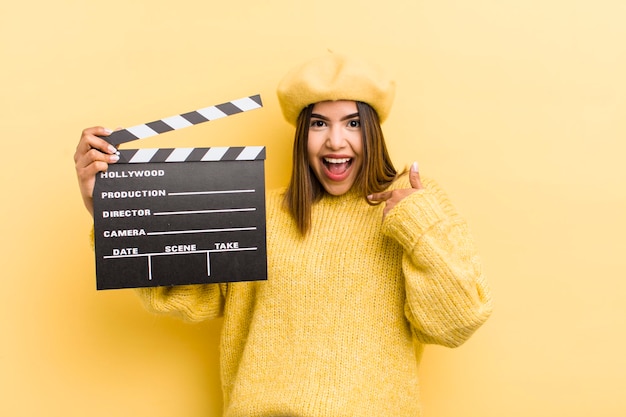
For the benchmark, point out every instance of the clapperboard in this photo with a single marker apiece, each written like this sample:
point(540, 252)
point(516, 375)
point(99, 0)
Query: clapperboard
point(181, 216)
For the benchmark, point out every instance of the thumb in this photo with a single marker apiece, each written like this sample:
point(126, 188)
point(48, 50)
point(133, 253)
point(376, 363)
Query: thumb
point(414, 177)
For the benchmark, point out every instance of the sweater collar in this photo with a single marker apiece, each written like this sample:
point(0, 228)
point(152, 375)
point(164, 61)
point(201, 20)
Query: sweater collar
point(351, 195)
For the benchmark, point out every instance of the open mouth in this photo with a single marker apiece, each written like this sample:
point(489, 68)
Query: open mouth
point(337, 166)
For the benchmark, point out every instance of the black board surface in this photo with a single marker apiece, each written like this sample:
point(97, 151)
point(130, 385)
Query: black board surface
point(181, 216)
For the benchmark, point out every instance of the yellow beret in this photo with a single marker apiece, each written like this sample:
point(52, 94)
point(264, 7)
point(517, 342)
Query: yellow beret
point(335, 77)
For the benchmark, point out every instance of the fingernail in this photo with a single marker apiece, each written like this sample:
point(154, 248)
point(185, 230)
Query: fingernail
point(369, 197)
point(114, 158)
point(112, 149)
point(108, 131)
point(415, 167)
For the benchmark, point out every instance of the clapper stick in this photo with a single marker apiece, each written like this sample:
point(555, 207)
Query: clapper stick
point(213, 154)
point(181, 121)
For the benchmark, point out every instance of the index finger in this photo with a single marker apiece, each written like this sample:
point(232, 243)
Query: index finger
point(384, 196)
point(90, 139)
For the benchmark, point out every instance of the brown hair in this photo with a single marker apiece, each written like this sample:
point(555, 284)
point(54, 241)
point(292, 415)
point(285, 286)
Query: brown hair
point(375, 175)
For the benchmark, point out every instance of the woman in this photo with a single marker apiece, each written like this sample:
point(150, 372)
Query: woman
point(365, 266)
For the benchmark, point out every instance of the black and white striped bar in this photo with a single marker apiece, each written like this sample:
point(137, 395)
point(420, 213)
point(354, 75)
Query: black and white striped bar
point(181, 121)
point(213, 154)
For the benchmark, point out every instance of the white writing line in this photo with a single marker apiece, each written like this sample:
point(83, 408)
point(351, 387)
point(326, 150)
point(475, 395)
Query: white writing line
point(207, 251)
point(182, 232)
point(213, 192)
point(168, 213)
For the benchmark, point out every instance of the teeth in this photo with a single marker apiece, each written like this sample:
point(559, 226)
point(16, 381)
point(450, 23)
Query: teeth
point(337, 160)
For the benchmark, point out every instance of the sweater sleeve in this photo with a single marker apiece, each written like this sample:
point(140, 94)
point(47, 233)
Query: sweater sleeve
point(447, 297)
point(190, 302)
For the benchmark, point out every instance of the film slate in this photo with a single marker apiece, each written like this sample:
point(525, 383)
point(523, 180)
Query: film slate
point(180, 216)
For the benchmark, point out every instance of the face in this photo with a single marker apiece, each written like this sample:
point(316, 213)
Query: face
point(335, 145)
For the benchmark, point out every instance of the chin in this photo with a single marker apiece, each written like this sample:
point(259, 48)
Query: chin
point(337, 190)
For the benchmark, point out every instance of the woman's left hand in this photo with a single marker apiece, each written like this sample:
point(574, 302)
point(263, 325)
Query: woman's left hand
point(391, 198)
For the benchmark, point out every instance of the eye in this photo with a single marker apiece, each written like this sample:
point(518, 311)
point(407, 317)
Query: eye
point(318, 123)
point(354, 123)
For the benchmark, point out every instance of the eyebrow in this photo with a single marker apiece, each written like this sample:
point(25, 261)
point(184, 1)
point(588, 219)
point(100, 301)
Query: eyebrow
point(348, 117)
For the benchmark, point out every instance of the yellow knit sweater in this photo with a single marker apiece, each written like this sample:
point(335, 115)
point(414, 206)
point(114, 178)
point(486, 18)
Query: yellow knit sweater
point(339, 326)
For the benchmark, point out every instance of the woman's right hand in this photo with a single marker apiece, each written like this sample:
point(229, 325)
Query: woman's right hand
point(93, 155)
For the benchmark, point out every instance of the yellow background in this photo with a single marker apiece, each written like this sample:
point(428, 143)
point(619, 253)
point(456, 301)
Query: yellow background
point(518, 108)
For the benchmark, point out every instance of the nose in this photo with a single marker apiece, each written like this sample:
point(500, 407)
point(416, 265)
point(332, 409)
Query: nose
point(335, 139)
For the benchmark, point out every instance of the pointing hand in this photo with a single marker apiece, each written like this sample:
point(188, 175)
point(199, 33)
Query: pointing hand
point(391, 198)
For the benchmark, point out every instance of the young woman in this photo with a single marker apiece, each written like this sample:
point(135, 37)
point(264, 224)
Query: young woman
point(365, 266)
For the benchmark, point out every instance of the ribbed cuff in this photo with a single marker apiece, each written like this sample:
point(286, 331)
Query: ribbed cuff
point(414, 215)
